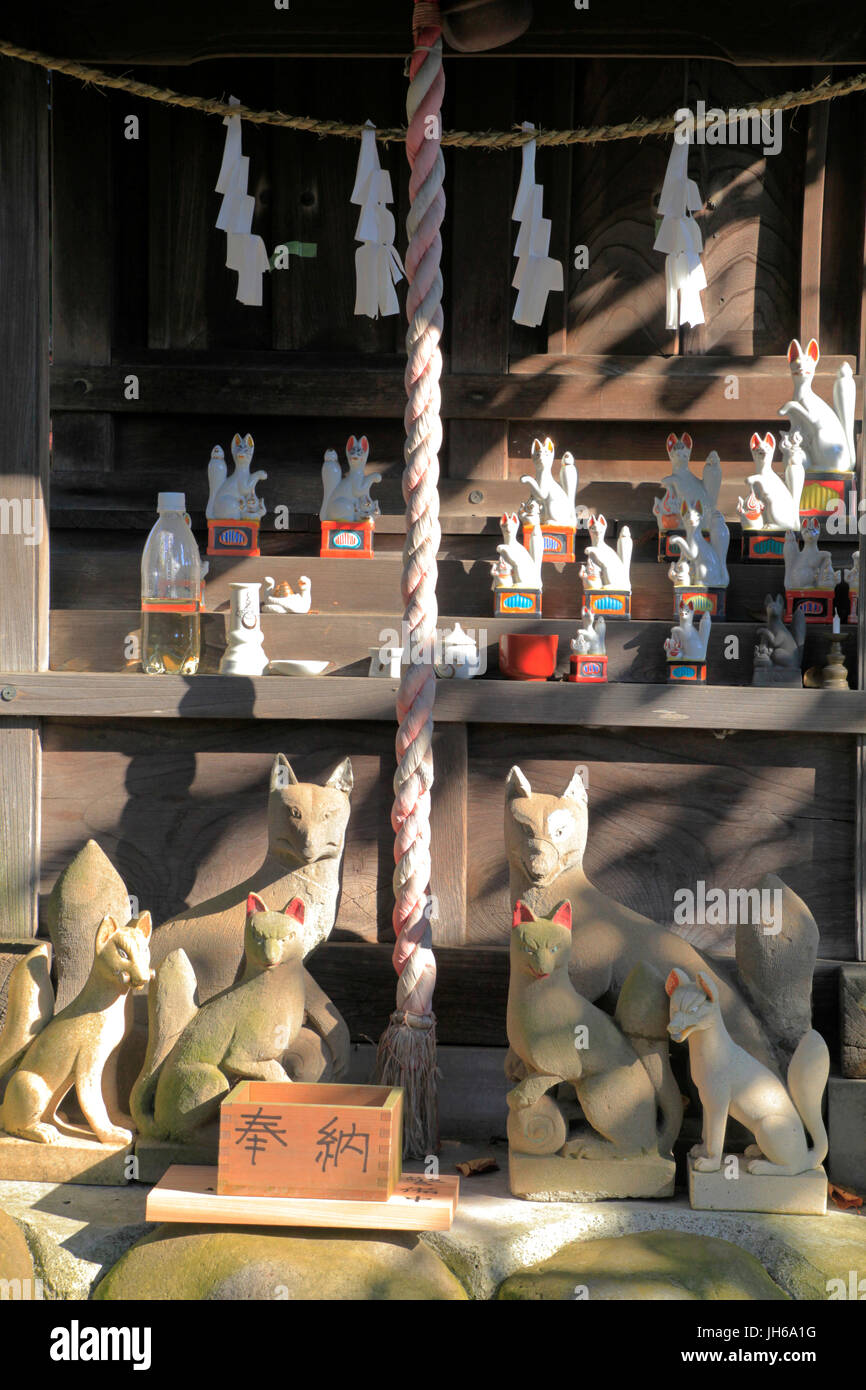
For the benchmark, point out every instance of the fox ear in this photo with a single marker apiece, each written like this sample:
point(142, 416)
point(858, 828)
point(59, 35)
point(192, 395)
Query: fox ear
point(562, 914)
point(255, 904)
point(813, 351)
point(364, 443)
point(601, 519)
point(522, 913)
point(237, 440)
point(576, 789)
point(281, 773)
point(755, 440)
point(708, 986)
point(105, 932)
point(144, 924)
point(687, 440)
point(342, 777)
point(770, 439)
point(670, 441)
point(249, 440)
point(794, 350)
point(351, 442)
point(516, 784)
point(674, 980)
point(296, 910)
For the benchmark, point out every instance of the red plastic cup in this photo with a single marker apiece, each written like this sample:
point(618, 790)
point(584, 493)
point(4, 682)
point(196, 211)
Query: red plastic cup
point(528, 656)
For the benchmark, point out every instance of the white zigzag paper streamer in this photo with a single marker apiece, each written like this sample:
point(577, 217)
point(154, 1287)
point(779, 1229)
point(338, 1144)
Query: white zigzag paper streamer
point(537, 273)
point(378, 267)
point(679, 238)
point(245, 253)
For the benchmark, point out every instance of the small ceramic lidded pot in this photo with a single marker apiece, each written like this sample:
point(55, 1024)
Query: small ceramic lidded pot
point(244, 654)
point(460, 658)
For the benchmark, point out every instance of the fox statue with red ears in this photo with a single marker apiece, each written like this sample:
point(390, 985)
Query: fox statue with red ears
point(249, 1031)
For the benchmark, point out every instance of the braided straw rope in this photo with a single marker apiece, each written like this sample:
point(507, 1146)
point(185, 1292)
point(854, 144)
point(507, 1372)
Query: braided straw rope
point(637, 129)
point(407, 1050)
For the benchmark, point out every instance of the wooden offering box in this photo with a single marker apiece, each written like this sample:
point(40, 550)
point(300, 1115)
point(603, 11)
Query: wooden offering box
point(280, 1139)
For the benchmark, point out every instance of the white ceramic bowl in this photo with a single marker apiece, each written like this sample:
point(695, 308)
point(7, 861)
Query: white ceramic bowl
point(297, 668)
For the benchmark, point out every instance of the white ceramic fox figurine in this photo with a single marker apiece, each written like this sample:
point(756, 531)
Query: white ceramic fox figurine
point(346, 497)
point(614, 564)
point(828, 434)
point(706, 559)
point(235, 497)
point(282, 598)
point(686, 640)
point(732, 1082)
point(517, 567)
point(703, 492)
point(809, 568)
point(589, 640)
point(556, 499)
point(781, 499)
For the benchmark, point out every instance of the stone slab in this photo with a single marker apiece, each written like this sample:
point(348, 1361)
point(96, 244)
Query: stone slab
point(551, 1178)
point(846, 1125)
point(154, 1157)
point(852, 1016)
point(804, 1194)
point(74, 1160)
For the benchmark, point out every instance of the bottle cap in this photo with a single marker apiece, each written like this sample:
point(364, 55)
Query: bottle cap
point(171, 502)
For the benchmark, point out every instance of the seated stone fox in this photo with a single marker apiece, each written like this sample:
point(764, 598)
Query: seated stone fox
point(545, 839)
point(618, 1067)
point(249, 1031)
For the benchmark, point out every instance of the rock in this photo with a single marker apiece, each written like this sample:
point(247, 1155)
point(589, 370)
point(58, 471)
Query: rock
point(15, 1259)
point(88, 889)
point(775, 967)
point(652, 1266)
point(852, 1012)
point(198, 1262)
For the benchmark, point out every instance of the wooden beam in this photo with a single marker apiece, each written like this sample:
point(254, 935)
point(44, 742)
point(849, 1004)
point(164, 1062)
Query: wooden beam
point(449, 835)
point(24, 97)
point(71, 695)
point(592, 388)
point(813, 218)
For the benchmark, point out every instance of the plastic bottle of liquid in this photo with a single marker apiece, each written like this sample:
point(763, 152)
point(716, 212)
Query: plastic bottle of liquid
point(171, 590)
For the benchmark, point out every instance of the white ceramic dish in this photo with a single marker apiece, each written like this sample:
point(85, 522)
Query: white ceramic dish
point(297, 668)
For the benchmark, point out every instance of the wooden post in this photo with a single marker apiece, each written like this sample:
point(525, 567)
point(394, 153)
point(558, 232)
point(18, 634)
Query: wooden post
point(24, 96)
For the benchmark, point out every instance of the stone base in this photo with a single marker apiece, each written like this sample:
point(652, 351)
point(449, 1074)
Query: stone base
point(74, 1160)
point(551, 1178)
point(790, 676)
point(846, 1126)
point(154, 1157)
point(802, 1195)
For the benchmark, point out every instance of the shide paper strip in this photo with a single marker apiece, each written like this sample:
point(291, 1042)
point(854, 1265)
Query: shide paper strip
point(679, 240)
point(245, 253)
point(537, 273)
point(378, 267)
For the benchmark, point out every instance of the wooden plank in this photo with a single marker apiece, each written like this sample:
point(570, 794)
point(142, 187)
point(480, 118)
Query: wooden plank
point(813, 217)
point(598, 388)
point(24, 96)
point(449, 835)
point(188, 1193)
point(73, 695)
point(740, 33)
point(97, 640)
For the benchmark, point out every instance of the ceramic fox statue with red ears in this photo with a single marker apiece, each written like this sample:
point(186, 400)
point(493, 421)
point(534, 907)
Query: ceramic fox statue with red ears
point(346, 497)
point(701, 494)
point(249, 1031)
point(781, 500)
point(560, 1037)
point(828, 433)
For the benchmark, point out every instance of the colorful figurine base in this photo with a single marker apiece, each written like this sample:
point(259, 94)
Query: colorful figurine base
point(555, 1178)
point(710, 601)
point(805, 1194)
point(516, 603)
point(667, 551)
point(229, 537)
point(608, 603)
point(816, 604)
point(825, 494)
point(353, 538)
point(558, 542)
point(587, 669)
point(767, 547)
point(684, 672)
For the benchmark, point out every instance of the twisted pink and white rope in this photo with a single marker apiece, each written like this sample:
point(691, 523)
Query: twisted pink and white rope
point(410, 818)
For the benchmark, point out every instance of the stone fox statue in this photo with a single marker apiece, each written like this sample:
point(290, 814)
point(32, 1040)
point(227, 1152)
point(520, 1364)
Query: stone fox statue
point(560, 1037)
point(545, 839)
point(306, 837)
point(196, 1055)
point(72, 1048)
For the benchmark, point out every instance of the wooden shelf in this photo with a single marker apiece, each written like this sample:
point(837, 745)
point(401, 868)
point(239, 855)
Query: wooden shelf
point(72, 695)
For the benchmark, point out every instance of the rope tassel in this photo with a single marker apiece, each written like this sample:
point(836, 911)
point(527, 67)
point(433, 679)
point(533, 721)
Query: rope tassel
point(407, 1049)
